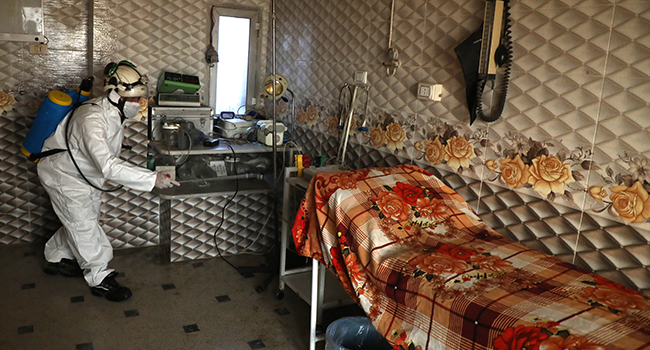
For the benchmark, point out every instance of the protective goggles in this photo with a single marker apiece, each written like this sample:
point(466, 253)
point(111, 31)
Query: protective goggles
point(110, 70)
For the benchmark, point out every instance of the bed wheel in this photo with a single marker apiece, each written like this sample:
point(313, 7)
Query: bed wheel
point(279, 295)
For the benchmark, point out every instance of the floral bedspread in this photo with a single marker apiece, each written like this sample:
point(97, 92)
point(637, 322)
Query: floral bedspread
point(431, 275)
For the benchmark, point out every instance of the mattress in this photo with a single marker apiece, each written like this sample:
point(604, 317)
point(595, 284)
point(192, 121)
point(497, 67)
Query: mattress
point(431, 275)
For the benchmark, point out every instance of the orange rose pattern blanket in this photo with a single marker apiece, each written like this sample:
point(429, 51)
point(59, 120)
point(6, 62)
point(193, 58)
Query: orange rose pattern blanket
point(431, 275)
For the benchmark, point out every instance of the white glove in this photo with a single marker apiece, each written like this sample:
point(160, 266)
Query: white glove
point(164, 181)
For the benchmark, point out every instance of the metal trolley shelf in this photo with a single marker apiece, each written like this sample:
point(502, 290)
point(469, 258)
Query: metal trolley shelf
point(222, 148)
point(329, 293)
point(226, 186)
point(189, 190)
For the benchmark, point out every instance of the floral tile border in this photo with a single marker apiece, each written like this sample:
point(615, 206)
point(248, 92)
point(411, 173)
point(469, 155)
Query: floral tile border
point(541, 168)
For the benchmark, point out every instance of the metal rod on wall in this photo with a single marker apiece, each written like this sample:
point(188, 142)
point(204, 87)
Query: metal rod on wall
point(390, 30)
point(275, 143)
point(91, 41)
point(393, 62)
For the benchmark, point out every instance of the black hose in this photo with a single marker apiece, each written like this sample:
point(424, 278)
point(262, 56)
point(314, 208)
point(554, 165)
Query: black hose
point(223, 209)
point(480, 85)
point(67, 146)
point(85, 84)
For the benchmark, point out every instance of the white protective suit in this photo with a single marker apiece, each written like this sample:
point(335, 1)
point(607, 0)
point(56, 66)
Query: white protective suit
point(95, 138)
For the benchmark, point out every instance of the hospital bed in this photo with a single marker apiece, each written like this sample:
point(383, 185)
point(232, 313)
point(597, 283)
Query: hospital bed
point(431, 275)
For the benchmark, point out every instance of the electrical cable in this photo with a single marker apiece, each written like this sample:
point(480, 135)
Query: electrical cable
point(259, 232)
point(277, 180)
point(223, 210)
point(237, 111)
point(289, 247)
point(211, 55)
point(506, 62)
point(67, 146)
point(190, 143)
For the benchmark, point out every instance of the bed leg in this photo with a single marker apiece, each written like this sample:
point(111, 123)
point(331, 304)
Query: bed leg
point(314, 303)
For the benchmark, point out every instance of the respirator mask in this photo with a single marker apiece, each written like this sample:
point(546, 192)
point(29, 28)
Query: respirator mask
point(130, 109)
point(127, 109)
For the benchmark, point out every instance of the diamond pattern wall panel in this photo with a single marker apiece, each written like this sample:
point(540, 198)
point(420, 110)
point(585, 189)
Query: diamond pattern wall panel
point(66, 24)
point(630, 49)
point(179, 38)
point(11, 64)
point(456, 28)
point(130, 219)
point(25, 211)
point(570, 40)
point(244, 229)
point(592, 243)
point(314, 143)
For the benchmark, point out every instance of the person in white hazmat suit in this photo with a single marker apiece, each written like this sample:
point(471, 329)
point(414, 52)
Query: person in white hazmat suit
point(95, 134)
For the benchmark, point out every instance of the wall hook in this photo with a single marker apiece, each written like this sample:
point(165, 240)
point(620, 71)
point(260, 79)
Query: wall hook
point(393, 63)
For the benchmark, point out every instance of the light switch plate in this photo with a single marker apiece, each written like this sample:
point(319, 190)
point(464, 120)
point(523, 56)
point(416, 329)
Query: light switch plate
point(38, 49)
point(360, 77)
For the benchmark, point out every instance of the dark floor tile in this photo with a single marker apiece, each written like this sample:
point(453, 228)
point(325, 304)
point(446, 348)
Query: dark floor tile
point(77, 299)
point(283, 311)
point(29, 254)
point(168, 286)
point(223, 298)
point(28, 286)
point(120, 274)
point(85, 346)
point(191, 328)
point(131, 313)
point(248, 275)
point(26, 329)
point(256, 344)
point(198, 264)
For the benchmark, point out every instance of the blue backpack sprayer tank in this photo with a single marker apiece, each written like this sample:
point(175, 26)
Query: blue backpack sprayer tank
point(53, 110)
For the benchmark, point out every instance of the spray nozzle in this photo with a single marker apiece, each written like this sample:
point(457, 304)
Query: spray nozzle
point(87, 84)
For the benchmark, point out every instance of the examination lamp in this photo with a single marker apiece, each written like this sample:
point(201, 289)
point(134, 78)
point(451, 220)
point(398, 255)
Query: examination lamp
point(277, 82)
point(281, 85)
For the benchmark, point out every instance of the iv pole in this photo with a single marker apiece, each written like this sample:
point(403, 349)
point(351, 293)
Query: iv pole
point(272, 269)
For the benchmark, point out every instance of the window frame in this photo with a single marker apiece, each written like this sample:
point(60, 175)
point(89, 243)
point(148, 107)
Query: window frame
point(255, 15)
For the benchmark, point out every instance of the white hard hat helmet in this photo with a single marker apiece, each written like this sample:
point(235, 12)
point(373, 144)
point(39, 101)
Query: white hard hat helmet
point(125, 79)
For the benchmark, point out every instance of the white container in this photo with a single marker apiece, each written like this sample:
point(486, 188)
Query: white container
point(265, 132)
point(233, 128)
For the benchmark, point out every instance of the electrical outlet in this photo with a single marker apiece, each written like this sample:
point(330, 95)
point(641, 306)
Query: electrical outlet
point(38, 49)
point(361, 77)
point(424, 91)
point(429, 91)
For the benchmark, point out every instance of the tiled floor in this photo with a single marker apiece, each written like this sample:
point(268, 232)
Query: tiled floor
point(203, 304)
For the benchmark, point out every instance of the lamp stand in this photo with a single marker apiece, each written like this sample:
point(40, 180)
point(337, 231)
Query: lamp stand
point(272, 257)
